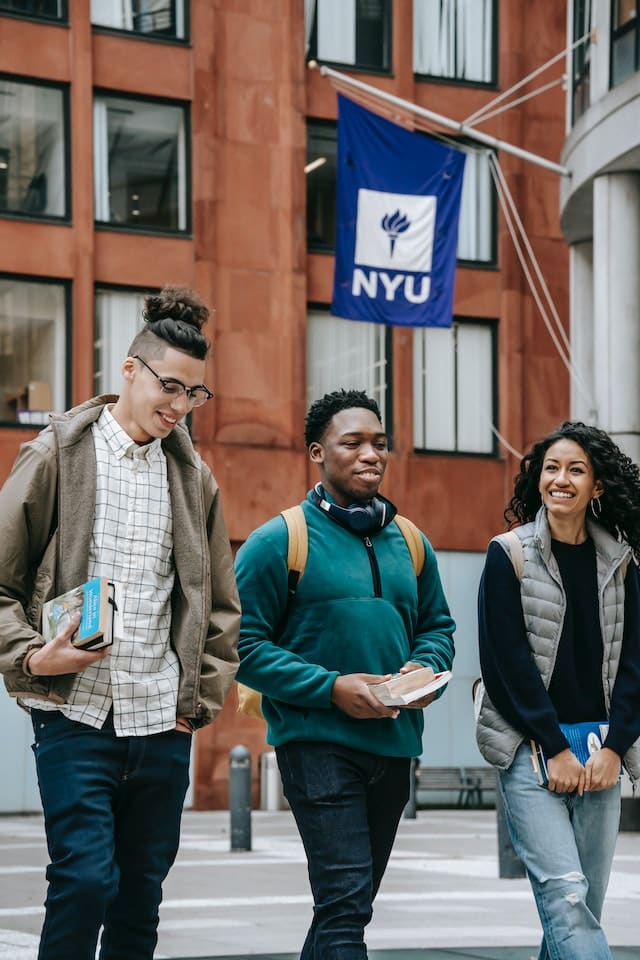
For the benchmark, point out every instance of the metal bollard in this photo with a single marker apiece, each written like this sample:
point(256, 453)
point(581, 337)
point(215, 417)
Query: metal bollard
point(240, 797)
point(510, 866)
point(411, 807)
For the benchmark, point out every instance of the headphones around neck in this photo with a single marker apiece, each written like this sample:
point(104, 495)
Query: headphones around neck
point(358, 517)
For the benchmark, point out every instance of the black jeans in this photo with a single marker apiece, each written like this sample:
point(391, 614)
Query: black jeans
point(347, 805)
point(112, 808)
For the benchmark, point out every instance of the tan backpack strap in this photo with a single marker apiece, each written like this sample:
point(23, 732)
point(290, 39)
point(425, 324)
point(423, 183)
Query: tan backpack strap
point(414, 541)
point(250, 701)
point(298, 540)
point(514, 550)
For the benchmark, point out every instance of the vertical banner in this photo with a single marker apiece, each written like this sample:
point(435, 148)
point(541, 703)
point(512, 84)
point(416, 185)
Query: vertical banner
point(398, 204)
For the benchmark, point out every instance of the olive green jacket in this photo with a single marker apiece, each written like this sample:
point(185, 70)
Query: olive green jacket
point(46, 518)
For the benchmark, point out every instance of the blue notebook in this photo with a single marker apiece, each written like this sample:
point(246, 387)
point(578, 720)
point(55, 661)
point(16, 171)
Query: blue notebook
point(583, 739)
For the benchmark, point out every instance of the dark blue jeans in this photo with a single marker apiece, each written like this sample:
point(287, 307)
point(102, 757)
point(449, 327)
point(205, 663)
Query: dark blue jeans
point(112, 808)
point(347, 805)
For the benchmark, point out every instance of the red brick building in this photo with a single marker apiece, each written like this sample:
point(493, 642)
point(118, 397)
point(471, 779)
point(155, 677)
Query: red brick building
point(151, 142)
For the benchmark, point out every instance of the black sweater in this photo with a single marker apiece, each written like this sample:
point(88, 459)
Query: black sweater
point(575, 692)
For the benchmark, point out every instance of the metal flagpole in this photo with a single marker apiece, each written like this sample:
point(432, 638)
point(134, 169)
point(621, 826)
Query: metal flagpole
point(461, 128)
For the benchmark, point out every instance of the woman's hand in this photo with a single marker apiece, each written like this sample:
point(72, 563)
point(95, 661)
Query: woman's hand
point(602, 769)
point(566, 773)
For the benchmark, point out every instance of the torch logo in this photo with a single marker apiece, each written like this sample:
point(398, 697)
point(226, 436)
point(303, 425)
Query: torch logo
point(393, 225)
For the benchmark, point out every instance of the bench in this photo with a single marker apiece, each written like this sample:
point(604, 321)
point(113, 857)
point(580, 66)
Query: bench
point(468, 782)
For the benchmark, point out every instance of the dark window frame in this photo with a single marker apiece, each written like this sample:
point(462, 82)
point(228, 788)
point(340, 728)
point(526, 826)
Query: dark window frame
point(358, 67)
point(185, 106)
point(580, 61)
point(319, 246)
point(493, 325)
point(66, 217)
point(618, 33)
point(151, 37)
point(68, 328)
point(492, 84)
point(61, 19)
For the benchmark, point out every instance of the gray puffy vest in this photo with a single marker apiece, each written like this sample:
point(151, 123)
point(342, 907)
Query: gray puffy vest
point(544, 604)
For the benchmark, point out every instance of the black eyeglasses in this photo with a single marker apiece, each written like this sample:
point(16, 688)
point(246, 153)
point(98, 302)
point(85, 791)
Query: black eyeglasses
point(176, 388)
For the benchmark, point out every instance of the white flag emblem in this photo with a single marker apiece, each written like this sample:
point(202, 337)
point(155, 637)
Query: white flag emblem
point(395, 230)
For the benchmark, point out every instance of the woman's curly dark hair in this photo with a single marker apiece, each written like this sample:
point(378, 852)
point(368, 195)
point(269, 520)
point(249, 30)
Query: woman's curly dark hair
point(174, 316)
point(618, 474)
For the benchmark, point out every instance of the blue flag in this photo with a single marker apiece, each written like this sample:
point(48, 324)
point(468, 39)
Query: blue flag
point(397, 222)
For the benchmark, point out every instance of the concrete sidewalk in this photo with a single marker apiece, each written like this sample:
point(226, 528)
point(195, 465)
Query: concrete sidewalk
point(441, 896)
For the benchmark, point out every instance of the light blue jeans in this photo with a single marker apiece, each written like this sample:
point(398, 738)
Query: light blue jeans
point(566, 843)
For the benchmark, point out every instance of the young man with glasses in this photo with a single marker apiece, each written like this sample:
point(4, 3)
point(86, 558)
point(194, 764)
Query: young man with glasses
point(114, 488)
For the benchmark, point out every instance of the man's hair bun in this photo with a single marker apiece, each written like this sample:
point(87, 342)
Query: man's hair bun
point(176, 315)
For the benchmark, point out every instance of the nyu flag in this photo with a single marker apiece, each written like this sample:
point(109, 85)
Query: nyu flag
point(397, 222)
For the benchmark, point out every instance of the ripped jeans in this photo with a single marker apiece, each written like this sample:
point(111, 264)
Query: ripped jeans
point(566, 843)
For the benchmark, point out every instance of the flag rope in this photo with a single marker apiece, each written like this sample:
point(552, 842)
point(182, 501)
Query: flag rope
point(447, 122)
point(475, 117)
point(522, 99)
point(503, 193)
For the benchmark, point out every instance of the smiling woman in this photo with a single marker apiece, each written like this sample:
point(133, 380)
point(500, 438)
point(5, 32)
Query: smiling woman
point(559, 648)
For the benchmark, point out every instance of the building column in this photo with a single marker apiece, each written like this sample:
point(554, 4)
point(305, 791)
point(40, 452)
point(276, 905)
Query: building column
point(616, 288)
point(583, 402)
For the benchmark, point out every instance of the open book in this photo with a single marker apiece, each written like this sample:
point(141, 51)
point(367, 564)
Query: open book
point(98, 600)
point(405, 688)
point(583, 739)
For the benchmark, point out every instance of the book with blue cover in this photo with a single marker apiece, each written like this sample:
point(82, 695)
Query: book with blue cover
point(583, 739)
point(98, 604)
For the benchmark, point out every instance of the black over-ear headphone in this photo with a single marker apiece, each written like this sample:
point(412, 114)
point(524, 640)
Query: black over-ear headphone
point(358, 517)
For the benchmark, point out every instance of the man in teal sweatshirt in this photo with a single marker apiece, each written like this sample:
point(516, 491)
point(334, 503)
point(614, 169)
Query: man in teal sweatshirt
point(359, 615)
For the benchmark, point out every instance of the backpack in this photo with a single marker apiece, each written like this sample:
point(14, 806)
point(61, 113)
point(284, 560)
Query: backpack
point(249, 700)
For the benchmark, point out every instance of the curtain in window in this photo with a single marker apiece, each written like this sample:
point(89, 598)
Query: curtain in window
point(100, 161)
point(118, 318)
point(32, 344)
point(453, 38)
point(309, 13)
point(475, 227)
point(337, 30)
point(112, 13)
point(453, 388)
point(345, 353)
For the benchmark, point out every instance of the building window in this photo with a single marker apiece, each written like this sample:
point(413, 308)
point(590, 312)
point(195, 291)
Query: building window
point(140, 162)
point(33, 364)
point(37, 9)
point(33, 149)
point(356, 33)
point(150, 18)
point(625, 40)
point(455, 39)
point(118, 318)
point(321, 171)
point(454, 388)
point(477, 224)
point(581, 57)
point(348, 354)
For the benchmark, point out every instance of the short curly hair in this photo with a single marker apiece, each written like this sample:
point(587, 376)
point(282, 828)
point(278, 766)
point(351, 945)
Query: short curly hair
point(322, 411)
point(618, 474)
point(173, 318)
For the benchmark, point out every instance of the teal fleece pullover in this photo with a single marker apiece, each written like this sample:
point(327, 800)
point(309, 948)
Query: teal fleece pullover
point(344, 619)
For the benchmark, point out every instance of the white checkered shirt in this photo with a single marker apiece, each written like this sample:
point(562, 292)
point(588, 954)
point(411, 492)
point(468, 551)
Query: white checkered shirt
point(132, 543)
